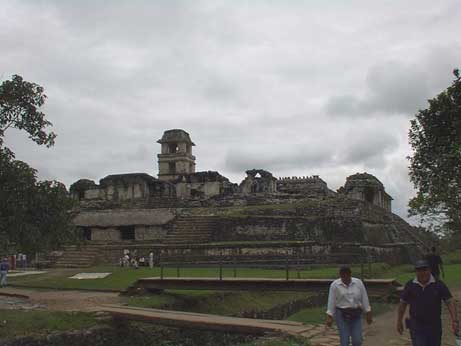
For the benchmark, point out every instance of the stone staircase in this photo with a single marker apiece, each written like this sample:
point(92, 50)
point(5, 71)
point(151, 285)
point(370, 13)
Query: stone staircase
point(78, 256)
point(191, 230)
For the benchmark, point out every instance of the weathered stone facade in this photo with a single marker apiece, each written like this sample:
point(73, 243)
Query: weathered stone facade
point(195, 216)
point(366, 187)
point(307, 186)
point(258, 181)
point(122, 188)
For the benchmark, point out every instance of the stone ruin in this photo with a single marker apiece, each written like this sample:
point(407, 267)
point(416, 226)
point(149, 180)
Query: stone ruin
point(138, 209)
point(366, 187)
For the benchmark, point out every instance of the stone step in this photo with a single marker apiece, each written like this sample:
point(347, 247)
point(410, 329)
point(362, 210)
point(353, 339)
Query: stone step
point(188, 237)
point(186, 241)
point(75, 260)
point(190, 233)
point(182, 235)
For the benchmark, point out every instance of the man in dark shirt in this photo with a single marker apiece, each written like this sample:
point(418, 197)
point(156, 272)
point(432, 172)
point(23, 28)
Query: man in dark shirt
point(424, 294)
point(4, 267)
point(435, 263)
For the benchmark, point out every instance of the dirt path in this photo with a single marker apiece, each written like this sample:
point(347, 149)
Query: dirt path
point(381, 333)
point(64, 300)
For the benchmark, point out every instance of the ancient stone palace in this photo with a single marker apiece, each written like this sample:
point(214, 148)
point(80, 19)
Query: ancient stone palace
point(202, 216)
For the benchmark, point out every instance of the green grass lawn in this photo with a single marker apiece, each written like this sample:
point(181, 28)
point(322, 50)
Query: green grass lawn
point(19, 322)
point(226, 303)
point(122, 278)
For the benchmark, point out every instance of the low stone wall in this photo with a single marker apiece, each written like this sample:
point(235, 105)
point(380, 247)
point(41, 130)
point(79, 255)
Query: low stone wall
point(281, 253)
point(319, 229)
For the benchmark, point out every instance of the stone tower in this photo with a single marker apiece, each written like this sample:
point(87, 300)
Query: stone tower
point(176, 155)
point(368, 188)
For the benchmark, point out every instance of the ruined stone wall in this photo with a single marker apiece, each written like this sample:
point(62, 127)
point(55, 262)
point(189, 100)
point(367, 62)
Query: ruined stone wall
point(157, 233)
point(293, 229)
point(308, 186)
point(105, 234)
point(197, 190)
point(278, 254)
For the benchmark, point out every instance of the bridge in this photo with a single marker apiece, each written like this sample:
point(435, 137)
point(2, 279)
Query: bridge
point(212, 322)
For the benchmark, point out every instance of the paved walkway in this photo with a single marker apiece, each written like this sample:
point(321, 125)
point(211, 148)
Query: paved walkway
point(381, 333)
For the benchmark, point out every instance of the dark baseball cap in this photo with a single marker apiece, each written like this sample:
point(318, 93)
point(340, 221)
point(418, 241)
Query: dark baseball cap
point(345, 270)
point(420, 264)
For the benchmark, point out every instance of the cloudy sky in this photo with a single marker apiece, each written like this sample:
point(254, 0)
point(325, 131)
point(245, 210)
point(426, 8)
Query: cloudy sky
point(293, 87)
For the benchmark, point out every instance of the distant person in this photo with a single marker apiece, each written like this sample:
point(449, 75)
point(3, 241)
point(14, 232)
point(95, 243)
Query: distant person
point(126, 260)
point(151, 260)
point(424, 294)
point(4, 268)
point(142, 261)
point(435, 263)
point(347, 301)
point(19, 260)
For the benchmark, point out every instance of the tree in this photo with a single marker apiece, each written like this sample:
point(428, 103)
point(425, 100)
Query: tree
point(435, 167)
point(34, 215)
point(20, 103)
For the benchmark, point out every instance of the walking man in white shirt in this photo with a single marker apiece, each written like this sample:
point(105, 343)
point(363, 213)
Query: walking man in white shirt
point(347, 301)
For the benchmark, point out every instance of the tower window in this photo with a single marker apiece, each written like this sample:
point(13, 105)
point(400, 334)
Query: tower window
point(172, 167)
point(174, 148)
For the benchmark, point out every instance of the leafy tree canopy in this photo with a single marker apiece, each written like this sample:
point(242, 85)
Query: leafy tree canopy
point(34, 215)
point(20, 103)
point(435, 167)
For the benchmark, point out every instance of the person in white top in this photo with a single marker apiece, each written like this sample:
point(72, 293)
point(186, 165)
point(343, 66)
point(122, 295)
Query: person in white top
point(151, 260)
point(347, 301)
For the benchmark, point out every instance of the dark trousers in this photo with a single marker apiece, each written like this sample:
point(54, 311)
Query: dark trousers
point(426, 335)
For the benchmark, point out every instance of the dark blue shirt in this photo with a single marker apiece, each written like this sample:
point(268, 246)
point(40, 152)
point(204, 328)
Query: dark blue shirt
point(435, 261)
point(4, 266)
point(425, 303)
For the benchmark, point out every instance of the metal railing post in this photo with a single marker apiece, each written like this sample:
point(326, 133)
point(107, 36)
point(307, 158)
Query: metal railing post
point(220, 270)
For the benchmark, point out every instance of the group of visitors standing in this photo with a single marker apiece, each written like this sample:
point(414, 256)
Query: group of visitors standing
point(135, 261)
point(348, 301)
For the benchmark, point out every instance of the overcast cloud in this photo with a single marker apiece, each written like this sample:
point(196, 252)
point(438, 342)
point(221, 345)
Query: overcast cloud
point(296, 88)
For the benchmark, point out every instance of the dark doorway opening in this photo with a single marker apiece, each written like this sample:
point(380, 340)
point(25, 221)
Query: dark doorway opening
point(369, 195)
point(172, 167)
point(127, 232)
point(87, 233)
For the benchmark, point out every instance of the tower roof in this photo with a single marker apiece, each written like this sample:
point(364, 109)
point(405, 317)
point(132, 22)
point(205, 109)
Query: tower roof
point(175, 136)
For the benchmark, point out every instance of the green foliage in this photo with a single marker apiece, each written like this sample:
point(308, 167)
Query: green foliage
point(20, 103)
point(20, 323)
point(226, 303)
point(453, 257)
point(33, 215)
point(287, 340)
point(435, 167)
